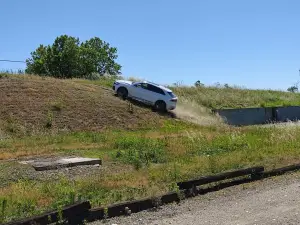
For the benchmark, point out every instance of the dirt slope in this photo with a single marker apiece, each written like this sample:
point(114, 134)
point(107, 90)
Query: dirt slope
point(30, 104)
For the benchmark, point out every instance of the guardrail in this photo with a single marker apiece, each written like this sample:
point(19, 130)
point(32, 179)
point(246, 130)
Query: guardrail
point(72, 214)
point(80, 212)
point(218, 177)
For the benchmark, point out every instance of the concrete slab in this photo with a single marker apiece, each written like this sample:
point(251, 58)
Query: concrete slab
point(51, 164)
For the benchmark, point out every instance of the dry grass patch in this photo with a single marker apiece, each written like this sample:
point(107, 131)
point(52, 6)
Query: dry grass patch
point(31, 104)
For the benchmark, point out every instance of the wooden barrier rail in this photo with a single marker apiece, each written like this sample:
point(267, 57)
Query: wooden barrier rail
point(282, 170)
point(73, 214)
point(134, 206)
point(219, 177)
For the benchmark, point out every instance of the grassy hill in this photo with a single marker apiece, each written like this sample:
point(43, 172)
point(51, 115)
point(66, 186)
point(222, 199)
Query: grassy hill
point(31, 104)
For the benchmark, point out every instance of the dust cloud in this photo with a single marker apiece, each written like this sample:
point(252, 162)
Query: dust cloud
point(192, 112)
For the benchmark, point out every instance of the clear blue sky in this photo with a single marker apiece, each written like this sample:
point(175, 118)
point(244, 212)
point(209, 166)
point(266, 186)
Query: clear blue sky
point(248, 43)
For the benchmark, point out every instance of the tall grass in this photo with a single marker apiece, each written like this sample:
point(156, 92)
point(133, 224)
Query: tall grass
point(217, 97)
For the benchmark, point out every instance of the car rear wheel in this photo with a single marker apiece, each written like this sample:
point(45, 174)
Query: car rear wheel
point(160, 106)
point(122, 93)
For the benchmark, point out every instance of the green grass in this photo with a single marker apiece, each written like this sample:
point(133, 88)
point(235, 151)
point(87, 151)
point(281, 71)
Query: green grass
point(139, 151)
point(158, 160)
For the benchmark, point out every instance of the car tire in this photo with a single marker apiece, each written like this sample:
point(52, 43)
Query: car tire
point(160, 106)
point(122, 93)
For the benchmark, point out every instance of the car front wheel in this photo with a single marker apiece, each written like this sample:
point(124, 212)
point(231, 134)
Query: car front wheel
point(122, 93)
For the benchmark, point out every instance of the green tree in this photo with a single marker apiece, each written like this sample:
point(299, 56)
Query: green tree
point(198, 84)
point(226, 86)
point(67, 57)
point(98, 56)
point(37, 62)
point(293, 89)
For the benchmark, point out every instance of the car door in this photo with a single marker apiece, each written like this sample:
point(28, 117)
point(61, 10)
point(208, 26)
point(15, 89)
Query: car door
point(156, 93)
point(141, 93)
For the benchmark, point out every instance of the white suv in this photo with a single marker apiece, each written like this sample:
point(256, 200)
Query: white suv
point(161, 98)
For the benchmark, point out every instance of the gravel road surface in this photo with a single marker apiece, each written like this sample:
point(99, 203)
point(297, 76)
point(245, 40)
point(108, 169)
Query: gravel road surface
point(271, 201)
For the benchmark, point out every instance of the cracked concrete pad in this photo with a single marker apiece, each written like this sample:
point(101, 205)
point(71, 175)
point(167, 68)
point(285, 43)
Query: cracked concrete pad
point(51, 164)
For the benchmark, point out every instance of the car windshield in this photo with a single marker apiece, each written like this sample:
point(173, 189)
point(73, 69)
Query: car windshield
point(171, 94)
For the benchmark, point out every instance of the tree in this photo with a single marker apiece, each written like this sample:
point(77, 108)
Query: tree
point(198, 84)
point(293, 89)
point(67, 57)
point(226, 86)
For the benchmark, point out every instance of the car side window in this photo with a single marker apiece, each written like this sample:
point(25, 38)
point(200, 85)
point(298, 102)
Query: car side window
point(141, 85)
point(145, 86)
point(155, 89)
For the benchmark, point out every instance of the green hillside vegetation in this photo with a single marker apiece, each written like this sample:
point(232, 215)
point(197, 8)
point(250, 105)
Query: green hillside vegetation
point(221, 97)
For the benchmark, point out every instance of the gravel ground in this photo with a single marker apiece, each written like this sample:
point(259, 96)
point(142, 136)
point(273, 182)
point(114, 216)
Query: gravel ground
point(272, 201)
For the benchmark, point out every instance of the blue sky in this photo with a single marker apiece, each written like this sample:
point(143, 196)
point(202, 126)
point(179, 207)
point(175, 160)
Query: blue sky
point(255, 43)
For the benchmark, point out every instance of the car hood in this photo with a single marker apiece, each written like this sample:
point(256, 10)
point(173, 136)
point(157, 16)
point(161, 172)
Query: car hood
point(124, 82)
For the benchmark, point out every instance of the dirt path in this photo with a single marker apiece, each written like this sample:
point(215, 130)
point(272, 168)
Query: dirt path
point(272, 201)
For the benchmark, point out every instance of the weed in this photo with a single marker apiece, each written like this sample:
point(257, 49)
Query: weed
point(3, 206)
point(49, 121)
point(105, 213)
point(4, 144)
point(49, 219)
point(212, 164)
point(60, 219)
point(57, 106)
point(130, 107)
point(27, 206)
point(173, 187)
point(72, 197)
point(12, 126)
point(175, 173)
point(3, 75)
